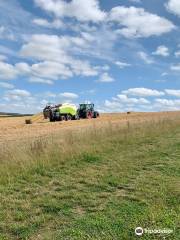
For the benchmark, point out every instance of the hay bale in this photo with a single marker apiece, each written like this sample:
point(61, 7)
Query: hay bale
point(28, 121)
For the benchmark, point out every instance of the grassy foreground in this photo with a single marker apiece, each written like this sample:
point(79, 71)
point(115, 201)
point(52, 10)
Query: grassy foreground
point(99, 183)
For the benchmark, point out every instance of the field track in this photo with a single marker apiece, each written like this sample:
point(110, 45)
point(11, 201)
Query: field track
point(12, 129)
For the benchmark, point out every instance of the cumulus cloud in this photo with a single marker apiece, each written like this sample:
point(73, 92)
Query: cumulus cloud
point(45, 47)
point(45, 23)
point(23, 68)
point(162, 51)
point(137, 22)
point(68, 95)
point(56, 56)
point(167, 104)
point(143, 92)
point(88, 10)
point(40, 80)
point(122, 103)
point(17, 95)
point(7, 71)
point(19, 92)
point(173, 92)
point(6, 85)
point(106, 78)
point(125, 99)
point(173, 6)
point(51, 70)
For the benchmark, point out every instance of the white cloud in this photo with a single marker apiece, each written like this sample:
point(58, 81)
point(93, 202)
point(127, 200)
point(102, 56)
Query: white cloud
point(113, 106)
point(137, 22)
point(164, 74)
point(51, 70)
point(18, 95)
point(175, 67)
point(88, 10)
point(145, 57)
point(177, 54)
point(167, 104)
point(23, 68)
point(173, 92)
point(122, 103)
point(125, 99)
point(106, 78)
point(3, 57)
point(45, 23)
point(68, 95)
point(19, 92)
point(6, 85)
point(161, 51)
point(173, 6)
point(7, 71)
point(40, 80)
point(57, 56)
point(102, 68)
point(122, 64)
point(45, 47)
point(143, 92)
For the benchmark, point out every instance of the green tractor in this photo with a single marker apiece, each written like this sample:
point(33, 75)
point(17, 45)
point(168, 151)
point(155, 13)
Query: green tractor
point(87, 111)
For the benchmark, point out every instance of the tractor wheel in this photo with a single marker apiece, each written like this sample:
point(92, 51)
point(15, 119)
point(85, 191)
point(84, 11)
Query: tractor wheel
point(95, 115)
point(60, 118)
point(75, 117)
point(68, 117)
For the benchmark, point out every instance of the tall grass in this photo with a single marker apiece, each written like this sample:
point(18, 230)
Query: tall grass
point(98, 182)
point(19, 156)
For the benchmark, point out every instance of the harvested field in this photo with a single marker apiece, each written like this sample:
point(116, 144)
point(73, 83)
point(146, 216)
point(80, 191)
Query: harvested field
point(15, 128)
point(93, 179)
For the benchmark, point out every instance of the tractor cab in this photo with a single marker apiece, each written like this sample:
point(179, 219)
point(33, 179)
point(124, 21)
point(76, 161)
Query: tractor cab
point(85, 107)
point(86, 110)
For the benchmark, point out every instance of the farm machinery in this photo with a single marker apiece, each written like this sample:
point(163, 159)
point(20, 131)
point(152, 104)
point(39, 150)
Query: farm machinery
point(69, 112)
point(87, 111)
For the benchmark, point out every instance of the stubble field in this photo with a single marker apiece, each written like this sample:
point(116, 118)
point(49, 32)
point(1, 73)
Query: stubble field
point(93, 179)
point(12, 129)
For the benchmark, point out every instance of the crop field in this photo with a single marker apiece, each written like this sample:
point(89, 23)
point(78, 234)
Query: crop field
point(14, 128)
point(90, 179)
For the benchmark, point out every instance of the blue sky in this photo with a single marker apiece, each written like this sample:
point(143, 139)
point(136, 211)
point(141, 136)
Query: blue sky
point(122, 55)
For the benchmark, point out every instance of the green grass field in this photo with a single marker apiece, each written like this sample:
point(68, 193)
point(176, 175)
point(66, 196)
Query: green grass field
point(99, 183)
